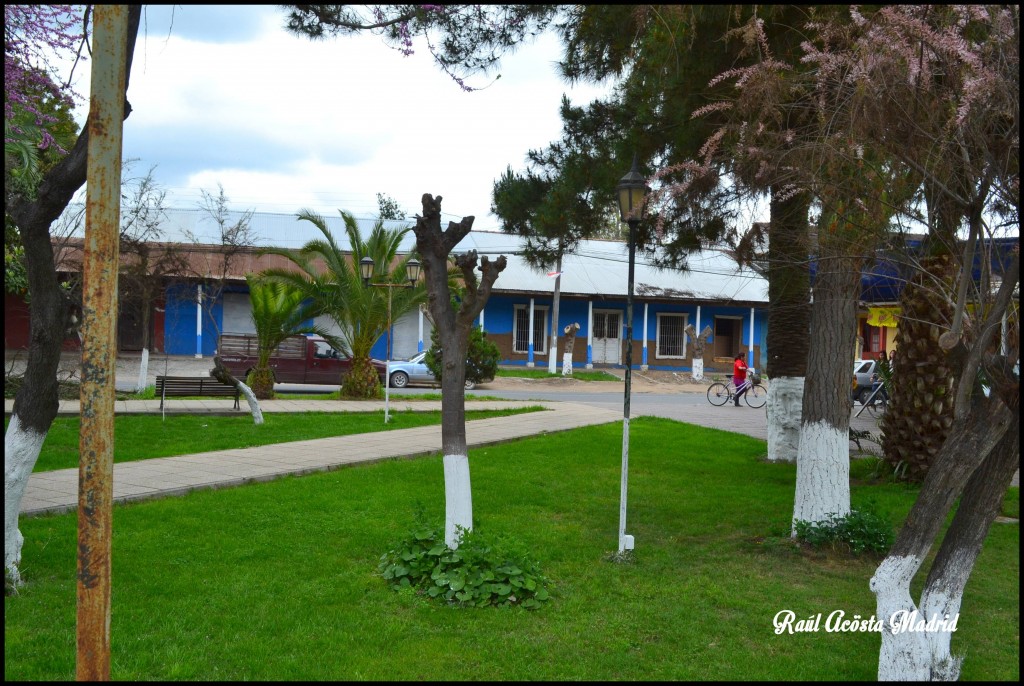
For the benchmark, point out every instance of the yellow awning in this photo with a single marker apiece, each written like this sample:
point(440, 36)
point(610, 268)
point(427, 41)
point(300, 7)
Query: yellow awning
point(883, 316)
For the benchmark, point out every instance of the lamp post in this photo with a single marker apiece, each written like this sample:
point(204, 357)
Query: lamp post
point(412, 273)
point(631, 191)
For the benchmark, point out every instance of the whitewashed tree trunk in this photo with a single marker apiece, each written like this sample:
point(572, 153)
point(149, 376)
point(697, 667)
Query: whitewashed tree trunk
point(823, 452)
point(254, 404)
point(141, 384)
point(21, 450)
point(458, 499)
point(822, 473)
point(785, 409)
point(698, 371)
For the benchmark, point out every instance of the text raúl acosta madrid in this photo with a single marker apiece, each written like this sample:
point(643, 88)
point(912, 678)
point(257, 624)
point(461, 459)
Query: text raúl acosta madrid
point(902, 621)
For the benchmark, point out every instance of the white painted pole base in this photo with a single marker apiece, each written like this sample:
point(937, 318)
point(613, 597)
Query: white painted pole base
point(567, 364)
point(458, 499)
point(698, 370)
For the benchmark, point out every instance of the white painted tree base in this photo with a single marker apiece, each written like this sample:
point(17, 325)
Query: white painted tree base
point(458, 499)
point(822, 473)
point(698, 370)
point(140, 385)
point(254, 404)
point(21, 450)
point(567, 364)
point(916, 646)
point(785, 409)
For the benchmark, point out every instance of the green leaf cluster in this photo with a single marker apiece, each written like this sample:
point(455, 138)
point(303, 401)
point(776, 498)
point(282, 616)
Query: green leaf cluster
point(482, 357)
point(479, 573)
point(860, 531)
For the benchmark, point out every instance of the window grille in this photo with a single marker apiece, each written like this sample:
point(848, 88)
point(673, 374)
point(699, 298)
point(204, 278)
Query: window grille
point(521, 334)
point(671, 335)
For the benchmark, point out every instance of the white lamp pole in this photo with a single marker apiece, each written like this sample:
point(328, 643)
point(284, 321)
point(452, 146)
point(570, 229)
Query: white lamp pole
point(412, 273)
point(631, 191)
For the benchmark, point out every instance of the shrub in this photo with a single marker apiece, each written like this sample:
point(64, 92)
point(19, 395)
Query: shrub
point(477, 574)
point(860, 531)
point(482, 357)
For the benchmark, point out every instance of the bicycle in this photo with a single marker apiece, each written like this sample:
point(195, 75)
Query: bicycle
point(877, 403)
point(720, 393)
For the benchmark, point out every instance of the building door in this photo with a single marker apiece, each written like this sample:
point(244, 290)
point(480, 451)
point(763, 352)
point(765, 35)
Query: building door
point(728, 336)
point(607, 338)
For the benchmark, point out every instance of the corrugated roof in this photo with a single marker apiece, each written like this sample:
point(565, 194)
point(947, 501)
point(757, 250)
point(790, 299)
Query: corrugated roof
point(597, 268)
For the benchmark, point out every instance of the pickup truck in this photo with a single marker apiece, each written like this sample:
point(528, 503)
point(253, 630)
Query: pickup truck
point(299, 359)
point(863, 370)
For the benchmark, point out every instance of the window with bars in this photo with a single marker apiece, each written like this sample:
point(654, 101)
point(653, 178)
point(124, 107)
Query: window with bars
point(521, 330)
point(671, 341)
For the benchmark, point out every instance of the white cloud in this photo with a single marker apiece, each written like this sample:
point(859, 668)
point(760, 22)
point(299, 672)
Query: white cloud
point(283, 122)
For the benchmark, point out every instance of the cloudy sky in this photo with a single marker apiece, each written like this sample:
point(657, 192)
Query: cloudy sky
point(224, 94)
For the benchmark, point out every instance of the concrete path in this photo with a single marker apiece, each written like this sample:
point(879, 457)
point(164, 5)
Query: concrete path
point(57, 491)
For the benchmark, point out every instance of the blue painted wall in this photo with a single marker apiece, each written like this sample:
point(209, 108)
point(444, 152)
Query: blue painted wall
point(180, 322)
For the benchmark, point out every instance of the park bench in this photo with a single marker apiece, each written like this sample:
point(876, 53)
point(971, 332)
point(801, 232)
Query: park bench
point(180, 386)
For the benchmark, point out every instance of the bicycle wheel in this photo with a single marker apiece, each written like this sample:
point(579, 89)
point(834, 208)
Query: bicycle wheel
point(718, 394)
point(878, 406)
point(757, 396)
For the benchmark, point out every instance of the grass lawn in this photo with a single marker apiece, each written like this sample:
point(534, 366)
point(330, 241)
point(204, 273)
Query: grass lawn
point(141, 437)
point(277, 580)
point(542, 373)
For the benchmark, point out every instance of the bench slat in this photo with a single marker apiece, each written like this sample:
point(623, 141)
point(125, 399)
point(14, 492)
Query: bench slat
point(194, 385)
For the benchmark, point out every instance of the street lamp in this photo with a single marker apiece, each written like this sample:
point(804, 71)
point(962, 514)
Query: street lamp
point(412, 274)
point(631, 191)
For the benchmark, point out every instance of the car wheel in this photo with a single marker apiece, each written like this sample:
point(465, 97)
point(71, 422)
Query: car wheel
point(470, 385)
point(863, 396)
point(399, 380)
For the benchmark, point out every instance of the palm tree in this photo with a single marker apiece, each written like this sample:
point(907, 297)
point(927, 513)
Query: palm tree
point(338, 291)
point(278, 311)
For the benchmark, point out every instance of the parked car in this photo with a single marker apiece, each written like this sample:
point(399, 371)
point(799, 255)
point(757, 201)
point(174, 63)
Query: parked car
point(299, 359)
point(415, 371)
point(863, 370)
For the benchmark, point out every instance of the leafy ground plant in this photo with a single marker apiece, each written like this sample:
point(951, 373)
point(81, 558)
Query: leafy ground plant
point(481, 572)
point(861, 531)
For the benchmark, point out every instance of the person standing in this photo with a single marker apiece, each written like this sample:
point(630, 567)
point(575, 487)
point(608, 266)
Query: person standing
point(739, 377)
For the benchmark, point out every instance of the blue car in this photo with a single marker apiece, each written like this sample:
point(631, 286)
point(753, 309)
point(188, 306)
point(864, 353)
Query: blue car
point(414, 371)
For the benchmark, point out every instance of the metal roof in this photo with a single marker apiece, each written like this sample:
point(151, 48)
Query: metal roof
point(598, 267)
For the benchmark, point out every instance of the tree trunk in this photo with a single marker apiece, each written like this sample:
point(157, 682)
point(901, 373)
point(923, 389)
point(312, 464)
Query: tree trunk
point(221, 373)
point(453, 327)
point(51, 319)
point(920, 410)
point(788, 324)
point(823, 459)
point(458, 491)
point(923, 655)
point(147, 309)
point(553, 347)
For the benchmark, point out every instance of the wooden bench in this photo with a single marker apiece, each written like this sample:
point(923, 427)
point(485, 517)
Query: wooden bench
point(171, 386)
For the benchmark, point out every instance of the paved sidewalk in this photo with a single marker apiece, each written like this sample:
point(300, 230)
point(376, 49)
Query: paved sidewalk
point(57, 491)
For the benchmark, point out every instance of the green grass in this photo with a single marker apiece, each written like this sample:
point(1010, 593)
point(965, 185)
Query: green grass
point(537, 373)
point(277, 580)
point(141, 437)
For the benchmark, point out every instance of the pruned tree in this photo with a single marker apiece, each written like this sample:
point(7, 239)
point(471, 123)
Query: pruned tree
point(453, 324)
point(699, 341)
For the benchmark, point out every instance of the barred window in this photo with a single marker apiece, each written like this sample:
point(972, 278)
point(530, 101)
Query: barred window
point(521, 330)
point(671, 336)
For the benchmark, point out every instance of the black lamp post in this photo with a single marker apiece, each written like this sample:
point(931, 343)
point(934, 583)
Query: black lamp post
point(631, 191)
point(412, 274)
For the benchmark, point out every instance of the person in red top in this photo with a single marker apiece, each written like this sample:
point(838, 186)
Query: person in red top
point(739, 377)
